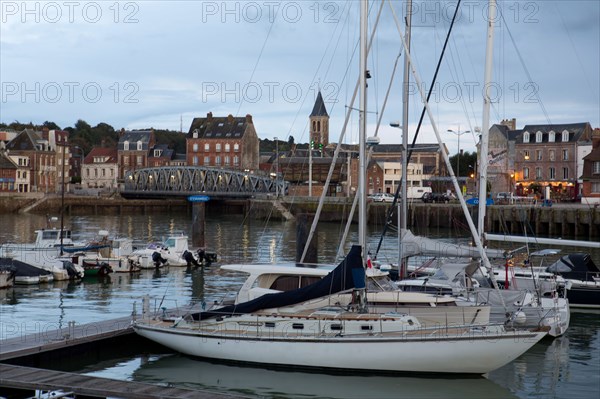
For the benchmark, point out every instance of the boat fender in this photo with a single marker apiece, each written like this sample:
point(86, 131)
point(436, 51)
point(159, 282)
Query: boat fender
point(519, 318)
point(105, 269)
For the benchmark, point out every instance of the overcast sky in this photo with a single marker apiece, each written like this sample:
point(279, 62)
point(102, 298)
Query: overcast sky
point(140, 64)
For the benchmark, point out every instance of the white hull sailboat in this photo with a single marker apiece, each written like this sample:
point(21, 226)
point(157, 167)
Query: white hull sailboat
point(340, 340)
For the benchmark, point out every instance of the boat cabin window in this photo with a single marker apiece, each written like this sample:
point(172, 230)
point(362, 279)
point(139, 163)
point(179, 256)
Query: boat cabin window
point(50, 235)
point(169, 243)
point(288, 283)
point(380, 283)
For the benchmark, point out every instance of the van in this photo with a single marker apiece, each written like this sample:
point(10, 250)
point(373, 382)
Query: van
point(416, 192)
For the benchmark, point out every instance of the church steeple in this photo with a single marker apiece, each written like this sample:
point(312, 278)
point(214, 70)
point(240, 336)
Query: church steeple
point(319, 123)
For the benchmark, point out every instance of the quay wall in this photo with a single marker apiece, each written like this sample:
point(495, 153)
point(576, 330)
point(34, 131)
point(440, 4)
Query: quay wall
point(560, 220)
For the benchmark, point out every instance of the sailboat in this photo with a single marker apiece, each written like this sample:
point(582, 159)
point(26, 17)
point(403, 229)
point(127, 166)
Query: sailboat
point(338, 337)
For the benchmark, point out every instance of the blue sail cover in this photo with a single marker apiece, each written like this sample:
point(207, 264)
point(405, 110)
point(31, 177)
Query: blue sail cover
point(339, 279)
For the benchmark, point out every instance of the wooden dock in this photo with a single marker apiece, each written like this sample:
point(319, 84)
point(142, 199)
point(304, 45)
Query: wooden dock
point(20, 379)
point(72, 335)
point(73, 385)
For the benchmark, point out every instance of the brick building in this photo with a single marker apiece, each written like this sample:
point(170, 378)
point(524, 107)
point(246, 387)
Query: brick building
point(224, 142)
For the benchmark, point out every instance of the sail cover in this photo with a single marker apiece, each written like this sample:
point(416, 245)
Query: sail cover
point(418, 245)
point(345, 276)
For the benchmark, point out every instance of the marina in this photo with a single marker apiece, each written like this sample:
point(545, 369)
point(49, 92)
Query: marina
point(27, 310)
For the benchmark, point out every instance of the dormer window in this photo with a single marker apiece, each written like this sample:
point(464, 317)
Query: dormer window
point(551, 136)
point(195, 133)
point(157, 153)
point(139, 145)
point(538, 137)
point(126, 145)
point(526, 137)
point(565, 136)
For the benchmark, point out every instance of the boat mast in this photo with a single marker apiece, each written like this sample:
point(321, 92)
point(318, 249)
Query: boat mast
point(483, 148)
point(362, 156)
point(403, 214)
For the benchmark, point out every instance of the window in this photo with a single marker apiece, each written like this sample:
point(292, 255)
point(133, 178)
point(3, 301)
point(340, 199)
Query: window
point(596, 167)
point(207, 161)
point(551, 136)
point(538, 137)
point(565, 136)
point(227, 147)
point(87, 173)
point(126, 161)
point(551, 155)
point(538, 155)
point(552, 173)
point(526, 137)
point(538, 173)
point(596, 187)
point(195, 160)
point(565, 173)
point(139, 146)
point(227, 159)
point(565, 155)
point(140, 160)
point(236, 147)
point(236, 161)
point(126, 145)
point(526, 155)
point(218, 160)
point(206, 147)
point(218, 147)
point(157, 153)
point(195, 147)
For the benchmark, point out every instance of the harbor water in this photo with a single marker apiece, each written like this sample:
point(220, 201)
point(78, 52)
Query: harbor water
point(565, 367)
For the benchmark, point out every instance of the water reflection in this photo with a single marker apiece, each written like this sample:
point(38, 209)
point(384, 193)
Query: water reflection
point(181, 371)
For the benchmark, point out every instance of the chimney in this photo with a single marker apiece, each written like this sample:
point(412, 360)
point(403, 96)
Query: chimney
point(230, 119)
point(122, 132)
point(511, 124)
point(248, 118)
point(209, 117)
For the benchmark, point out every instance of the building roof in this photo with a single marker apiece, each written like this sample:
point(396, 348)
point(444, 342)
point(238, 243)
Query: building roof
point(221, 127)
point(319, 108)
point(166, 152)
point(577, 131)
point(110, 153)
point(6, 162)
point(27, 140)
point(133, 136)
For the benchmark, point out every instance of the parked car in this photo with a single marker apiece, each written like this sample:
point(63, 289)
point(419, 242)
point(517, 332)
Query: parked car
point(435, 197)
point(382, 197)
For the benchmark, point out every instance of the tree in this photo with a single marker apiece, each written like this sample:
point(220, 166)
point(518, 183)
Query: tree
point(291, 141)
point(51, 125)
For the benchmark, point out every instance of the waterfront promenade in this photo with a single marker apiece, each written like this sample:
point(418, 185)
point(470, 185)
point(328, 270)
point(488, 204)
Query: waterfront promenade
point(561, 220)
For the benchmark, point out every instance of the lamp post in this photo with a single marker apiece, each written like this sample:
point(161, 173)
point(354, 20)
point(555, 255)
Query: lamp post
point(458, 133)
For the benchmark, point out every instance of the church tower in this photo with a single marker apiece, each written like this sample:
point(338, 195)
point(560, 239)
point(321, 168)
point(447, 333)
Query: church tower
point(319, 124)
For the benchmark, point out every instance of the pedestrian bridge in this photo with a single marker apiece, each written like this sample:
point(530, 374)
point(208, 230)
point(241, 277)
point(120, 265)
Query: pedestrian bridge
point(169, 181)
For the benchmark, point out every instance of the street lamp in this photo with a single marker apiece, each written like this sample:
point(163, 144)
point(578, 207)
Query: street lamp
point(458, 133)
